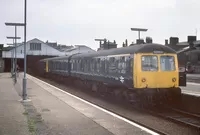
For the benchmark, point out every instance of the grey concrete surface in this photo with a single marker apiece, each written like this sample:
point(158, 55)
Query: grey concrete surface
point(193, 85)
point(193, 78)
point(63, 114)
point(191, 89)
point(193, 75)
point(12, 118)
point(59, 117)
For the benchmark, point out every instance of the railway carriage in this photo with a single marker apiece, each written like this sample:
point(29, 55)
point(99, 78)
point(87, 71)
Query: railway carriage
point(144, 69)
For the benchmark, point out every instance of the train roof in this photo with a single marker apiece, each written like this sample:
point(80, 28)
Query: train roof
point(60, 57)
point(53, 58)
point(140, 48)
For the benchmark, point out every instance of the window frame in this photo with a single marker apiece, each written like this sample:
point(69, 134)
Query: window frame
point(35, 46)
point(156, 62)
point(171, 68)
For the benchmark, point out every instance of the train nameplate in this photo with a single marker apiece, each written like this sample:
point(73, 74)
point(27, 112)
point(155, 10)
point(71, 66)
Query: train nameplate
point(158, 52)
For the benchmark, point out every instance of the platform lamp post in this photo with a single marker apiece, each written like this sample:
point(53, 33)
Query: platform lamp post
point(13, 60)
point(24, 79)
point(15, 25)
point(139, 30)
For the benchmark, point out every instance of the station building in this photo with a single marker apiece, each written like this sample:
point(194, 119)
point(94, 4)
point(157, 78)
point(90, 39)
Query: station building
point(35, 50)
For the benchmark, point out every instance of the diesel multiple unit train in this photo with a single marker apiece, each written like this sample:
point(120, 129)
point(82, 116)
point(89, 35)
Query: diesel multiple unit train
point(144, 71)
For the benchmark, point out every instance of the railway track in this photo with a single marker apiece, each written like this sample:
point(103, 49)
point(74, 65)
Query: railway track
point(165, 112)
point(178, 116)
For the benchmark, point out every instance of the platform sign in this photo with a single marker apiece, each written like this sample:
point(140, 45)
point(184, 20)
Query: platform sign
point(1, 49)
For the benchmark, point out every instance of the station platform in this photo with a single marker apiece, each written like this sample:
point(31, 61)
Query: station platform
point(193, 85)
point(193, 78)
point(193, 75)
point(53, 111)
point(191, 89)
point(12, 118)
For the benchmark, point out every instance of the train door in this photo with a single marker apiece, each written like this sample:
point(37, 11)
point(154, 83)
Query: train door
point(182, 76)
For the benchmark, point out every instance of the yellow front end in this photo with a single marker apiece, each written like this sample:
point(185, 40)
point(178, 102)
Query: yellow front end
point(156, 71)
point(46, 66)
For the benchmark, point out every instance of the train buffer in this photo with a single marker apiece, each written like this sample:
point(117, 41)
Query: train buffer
point(51, 110)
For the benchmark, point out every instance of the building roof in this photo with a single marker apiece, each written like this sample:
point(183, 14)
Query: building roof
point(183, 44)
point(20, 44)
point(8, 48)
point(197, 42)
point(76, 47)
point(184, 49)
point(187, 44)
point(81, 46)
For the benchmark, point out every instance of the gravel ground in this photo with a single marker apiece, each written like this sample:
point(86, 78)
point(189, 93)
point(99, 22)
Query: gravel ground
point(143, 118)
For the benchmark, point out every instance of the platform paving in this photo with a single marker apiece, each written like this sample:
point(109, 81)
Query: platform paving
point(12, 113)
point(50, 111)
point(191, 89)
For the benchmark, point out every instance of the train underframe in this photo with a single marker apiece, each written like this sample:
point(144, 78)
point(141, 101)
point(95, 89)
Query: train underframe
point(145, 96)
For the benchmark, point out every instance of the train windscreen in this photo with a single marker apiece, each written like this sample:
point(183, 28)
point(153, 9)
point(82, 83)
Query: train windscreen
point(149, 63)
point(167, 63)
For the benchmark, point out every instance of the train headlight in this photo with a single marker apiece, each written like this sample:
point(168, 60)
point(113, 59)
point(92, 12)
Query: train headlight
point(173, 79)
point(143, 80)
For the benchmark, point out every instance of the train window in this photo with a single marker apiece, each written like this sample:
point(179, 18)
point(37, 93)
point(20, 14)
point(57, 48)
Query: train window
point(72, 65)
point(131, 65)
point(198, 57)
point(167, 63)
point(102, 65)
point(86, 65)
point(122, 65)
point(98, 65)
point(79, 65)
point(95, 65)
point(65, 63)
point(149, 63)
point(91, 68)
point(112, 59)
point(113, 65)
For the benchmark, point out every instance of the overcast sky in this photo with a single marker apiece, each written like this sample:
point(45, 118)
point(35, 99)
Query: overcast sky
point(73, 22)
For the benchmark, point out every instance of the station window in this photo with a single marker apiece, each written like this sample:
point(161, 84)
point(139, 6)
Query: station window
point(35, 46)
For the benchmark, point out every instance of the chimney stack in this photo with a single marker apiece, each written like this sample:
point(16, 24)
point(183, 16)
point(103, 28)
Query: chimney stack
point(126, 42)
point(166, 41)
point(139, 41)
point(123, 44)
point(191, 40)
point(149, 40)
point(173, 40)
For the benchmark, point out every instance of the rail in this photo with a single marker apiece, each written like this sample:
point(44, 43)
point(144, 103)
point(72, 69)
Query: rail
point(178, 116)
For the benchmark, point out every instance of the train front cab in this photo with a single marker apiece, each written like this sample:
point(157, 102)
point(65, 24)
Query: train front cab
point(45, 67)
point(156, 71)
